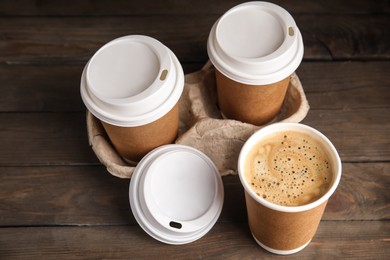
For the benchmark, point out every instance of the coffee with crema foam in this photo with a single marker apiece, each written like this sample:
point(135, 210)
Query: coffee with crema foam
point(289, 168)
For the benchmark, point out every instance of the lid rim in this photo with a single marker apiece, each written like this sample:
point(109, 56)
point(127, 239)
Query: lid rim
point(156, 47)
point(103, 110)
point(256, 71)
point(157, 230)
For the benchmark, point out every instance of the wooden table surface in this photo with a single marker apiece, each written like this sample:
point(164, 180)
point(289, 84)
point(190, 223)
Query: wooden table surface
point(58, 201)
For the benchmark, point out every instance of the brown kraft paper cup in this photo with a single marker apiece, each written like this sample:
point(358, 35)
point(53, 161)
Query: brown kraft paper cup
point(282, 230)
point(255, 47)
point(133, 85)
point(254, 104)
point(133, 143)
point(285, 229)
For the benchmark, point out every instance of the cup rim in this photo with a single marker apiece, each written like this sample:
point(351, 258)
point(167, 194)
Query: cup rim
point(276, 127)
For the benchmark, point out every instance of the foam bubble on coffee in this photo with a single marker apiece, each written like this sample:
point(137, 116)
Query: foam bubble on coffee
point(289, 168)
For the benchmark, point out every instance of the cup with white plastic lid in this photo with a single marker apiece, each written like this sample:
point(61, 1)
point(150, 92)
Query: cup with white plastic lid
point(133, 84)
point(255, 47)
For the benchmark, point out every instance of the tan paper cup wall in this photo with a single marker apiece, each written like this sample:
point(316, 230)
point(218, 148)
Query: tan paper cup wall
point(255, 47)
point(133, 85)
point(262, 102)
point(135, 142)
point(278, 228)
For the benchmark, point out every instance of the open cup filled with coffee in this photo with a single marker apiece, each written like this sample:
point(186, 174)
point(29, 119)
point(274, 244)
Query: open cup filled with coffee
point(288, 171)
point(255, 47)
point(133, 85)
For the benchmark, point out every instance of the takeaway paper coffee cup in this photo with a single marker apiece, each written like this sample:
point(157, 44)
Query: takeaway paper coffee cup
point(289, 171)
point(176, 194)
point(133, 84)
point(255, 47)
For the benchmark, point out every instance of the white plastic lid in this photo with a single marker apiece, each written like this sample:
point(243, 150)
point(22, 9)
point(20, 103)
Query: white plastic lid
point(255, 43)
point(176, 194)
point(132, 81)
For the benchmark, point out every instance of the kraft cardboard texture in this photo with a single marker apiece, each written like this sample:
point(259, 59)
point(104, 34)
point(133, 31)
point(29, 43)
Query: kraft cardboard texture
point(133, 143)
point(201, 124)
point(254, 104)
point(282, 230)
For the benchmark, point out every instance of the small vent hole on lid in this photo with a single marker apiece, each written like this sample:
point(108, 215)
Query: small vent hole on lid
point(175, 224)
point(164, 74)
point(290, 31)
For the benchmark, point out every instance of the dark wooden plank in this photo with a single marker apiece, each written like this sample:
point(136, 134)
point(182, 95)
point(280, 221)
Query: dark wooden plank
point(356, 240)
point(328, 85)
point(32, 196)
point(359, 135)
point(53, 39)
point(60, 138)
point(58, 201)
point(63, 195)
point(46, 87)
point(346, 85)
point(123, 7)
point(44, 139)
point(363, 193)
point(75, 39)
point(345, 37)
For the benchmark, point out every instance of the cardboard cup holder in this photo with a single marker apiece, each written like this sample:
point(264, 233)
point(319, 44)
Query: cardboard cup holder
point(201, 125)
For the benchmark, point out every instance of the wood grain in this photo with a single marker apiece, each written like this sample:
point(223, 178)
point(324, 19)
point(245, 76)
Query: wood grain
point(346, 85)
point(359, 135)
point(40, 196)
point(56, 87)
point(44, 139)
point(343, 37)
point(356, 240)
point(42, 135)
point(47, 87)
point(168, 7)
point(76, 39)
point(58, 201)
point(60, 138)
point(91, 196)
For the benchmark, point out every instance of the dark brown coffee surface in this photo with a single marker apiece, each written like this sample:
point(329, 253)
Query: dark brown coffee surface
point(289, 168)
